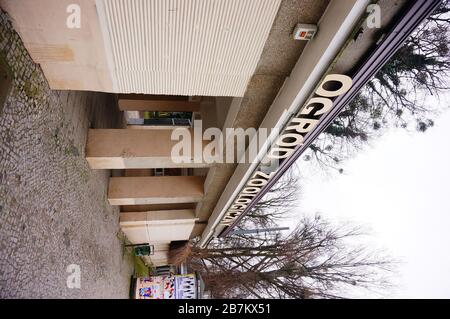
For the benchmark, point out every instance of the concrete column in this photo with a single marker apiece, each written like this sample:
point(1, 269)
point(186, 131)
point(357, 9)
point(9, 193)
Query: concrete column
point(123, 148)
point(160, 256)
point(155, 190)
point(158, 226)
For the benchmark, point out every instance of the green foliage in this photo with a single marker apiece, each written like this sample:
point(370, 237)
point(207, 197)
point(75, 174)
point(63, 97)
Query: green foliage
point(140, 269)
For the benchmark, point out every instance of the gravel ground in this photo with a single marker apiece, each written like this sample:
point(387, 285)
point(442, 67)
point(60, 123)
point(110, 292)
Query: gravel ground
point(53, 208)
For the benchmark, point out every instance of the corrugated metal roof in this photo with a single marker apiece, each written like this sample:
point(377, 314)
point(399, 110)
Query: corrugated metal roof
point(185, 47)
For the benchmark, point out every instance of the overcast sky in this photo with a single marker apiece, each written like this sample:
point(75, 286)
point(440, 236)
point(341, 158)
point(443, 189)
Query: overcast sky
point(400, 189)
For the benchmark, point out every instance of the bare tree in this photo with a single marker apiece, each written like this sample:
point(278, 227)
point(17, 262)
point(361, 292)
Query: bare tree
point(276, 203)
point(314, 261)
point(396, 96)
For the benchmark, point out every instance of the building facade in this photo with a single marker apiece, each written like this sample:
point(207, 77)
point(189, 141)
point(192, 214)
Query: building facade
point(200, 64)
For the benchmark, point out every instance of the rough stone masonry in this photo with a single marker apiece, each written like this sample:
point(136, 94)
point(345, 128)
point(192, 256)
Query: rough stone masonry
point(53, 208)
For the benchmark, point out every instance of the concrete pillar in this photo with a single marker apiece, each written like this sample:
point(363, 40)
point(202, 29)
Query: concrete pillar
point(158, 226)
point(155, 190)
point(123, 148)
point(160, 256)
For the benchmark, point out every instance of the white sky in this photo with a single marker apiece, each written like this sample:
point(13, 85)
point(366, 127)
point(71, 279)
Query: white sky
point(400, 189)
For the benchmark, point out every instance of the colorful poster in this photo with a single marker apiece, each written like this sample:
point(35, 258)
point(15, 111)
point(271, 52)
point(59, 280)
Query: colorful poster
point(167, 287)
point(186, 286)
point(149, 288)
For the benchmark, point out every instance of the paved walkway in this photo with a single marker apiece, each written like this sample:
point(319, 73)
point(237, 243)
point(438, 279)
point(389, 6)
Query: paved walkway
point(53, 208)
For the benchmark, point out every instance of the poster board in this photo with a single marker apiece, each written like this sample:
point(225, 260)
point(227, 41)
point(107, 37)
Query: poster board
point(167, 287)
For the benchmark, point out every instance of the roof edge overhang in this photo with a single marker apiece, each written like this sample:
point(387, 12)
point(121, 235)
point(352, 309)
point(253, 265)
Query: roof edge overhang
point(335, 27)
